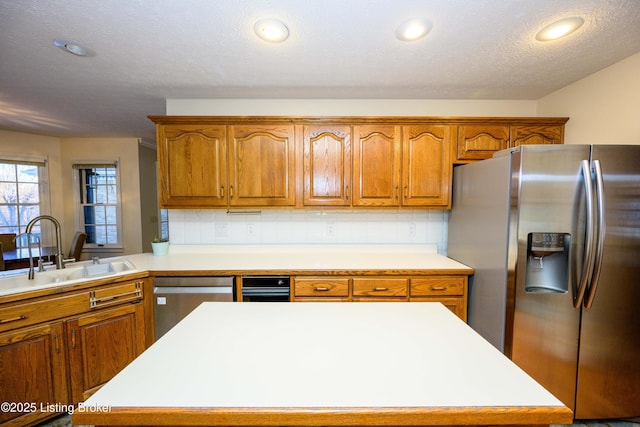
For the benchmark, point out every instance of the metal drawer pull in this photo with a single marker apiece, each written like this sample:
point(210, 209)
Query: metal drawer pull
point(438, 288)
point(380, 289)
point(73, 338)
point(55, 337)
point(94, 302)
point(321, 288)
point(13, 319)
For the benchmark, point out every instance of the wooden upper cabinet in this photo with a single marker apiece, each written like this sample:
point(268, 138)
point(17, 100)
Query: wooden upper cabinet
point(525, 135)
point(426, 165)
point(477, 142)
point(376, 165)
point(327, 165)
point(261, 165)
point(229, 161)
point(192, 165)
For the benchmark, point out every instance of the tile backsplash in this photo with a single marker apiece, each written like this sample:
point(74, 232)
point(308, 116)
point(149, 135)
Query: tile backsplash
point(309, 227)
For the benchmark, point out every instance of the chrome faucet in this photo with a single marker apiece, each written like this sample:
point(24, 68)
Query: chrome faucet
point(29, 237)
point(59, 256)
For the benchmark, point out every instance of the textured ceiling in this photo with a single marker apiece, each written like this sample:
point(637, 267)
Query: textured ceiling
point(149, 50)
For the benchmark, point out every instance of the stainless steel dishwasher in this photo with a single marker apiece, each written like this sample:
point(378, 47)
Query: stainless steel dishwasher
point(175, 297)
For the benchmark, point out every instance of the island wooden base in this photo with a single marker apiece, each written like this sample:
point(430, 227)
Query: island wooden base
point(294, 417)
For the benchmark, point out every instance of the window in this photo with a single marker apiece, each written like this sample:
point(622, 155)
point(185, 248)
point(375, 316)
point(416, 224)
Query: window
point(98, 197)
point(22, 197)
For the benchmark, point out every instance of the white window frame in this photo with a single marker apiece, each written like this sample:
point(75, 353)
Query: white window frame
point(79, 204)
point(44, 206)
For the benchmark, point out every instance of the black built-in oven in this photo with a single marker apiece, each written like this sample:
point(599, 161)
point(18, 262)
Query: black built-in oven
point(265, 288)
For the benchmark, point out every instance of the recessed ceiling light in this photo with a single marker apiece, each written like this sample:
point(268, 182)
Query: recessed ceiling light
point(413, 29)
point(73, 47)
point(559, 29)
point(271, 30)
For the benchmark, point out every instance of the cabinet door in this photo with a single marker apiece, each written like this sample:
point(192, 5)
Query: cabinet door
point(477, 142)
point(33, 371)
point(426, 165)
point(192, 165)
point(379, 287)
point(101, 344)
point(376, 165)
point(327, 165)
point(321, 287)
point(262, 165)
point(448, 290)
point(524, 135)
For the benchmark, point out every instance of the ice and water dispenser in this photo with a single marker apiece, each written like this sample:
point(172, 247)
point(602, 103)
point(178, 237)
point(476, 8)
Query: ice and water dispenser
point(547, 262)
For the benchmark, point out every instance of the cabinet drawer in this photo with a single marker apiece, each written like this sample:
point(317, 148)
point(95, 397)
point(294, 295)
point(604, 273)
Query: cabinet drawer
point(40, 310)
point(379, 287)
point(318, 286)
point(116, 294)
point(435, 286)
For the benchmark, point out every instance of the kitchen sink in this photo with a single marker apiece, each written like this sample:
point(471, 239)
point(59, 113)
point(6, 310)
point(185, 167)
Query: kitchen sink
point(104, 269)
point(73, 272)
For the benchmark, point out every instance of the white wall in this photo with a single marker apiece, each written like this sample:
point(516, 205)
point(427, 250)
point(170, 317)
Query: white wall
point(604, 108)
point(349, 107)
point(37, 146)
point(125, 150)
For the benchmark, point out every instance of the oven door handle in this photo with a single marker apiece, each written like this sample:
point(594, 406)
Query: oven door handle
point(264, 291)
point(192, 290)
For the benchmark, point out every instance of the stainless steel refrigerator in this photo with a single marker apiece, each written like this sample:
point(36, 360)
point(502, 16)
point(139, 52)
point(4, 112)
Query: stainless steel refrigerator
point(553, 233)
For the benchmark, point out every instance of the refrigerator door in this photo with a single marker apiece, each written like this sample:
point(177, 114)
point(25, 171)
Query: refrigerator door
point(478, 237)
point(609, 360)
point(548, 204)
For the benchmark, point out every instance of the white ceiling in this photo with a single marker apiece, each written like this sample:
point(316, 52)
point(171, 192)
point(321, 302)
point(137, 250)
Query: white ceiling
point(149, 50)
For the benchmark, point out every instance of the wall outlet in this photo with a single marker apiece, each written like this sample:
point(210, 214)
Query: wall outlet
point(222, 229)
point(329, 229)
point(251, 229)
point(412, 229)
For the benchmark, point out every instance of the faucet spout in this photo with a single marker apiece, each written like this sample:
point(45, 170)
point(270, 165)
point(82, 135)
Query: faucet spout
point(56, 224)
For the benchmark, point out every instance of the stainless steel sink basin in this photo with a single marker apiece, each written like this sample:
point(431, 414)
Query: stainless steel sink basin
point(73, 272)
point(105, 269)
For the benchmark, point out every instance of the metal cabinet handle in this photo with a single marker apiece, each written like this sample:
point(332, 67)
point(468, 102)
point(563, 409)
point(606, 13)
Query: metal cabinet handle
point(231, 191)
point(73, 338)
point(380, 289)
point(321, 288)
point(346, 192)
point(438, 288)
point(12, 319)
point(55, 337)
point(222, 191)
point(111, 299)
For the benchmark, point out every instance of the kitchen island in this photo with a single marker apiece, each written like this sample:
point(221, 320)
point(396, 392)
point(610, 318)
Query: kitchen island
point(313, 364)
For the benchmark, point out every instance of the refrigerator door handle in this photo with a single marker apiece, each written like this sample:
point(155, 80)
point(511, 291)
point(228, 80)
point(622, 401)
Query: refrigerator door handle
point(589, 252)
point(597, 266)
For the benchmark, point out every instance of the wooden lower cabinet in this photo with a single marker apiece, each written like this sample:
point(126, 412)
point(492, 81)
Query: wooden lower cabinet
point(375, 288)
point(100, 345)
point(321, 287)
point(82, 340)
point(450, 290)
point(33, 371)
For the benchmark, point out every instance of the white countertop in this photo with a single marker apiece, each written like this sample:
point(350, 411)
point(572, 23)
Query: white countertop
point(248, 258)
point(301, 257)
point(321, 355)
